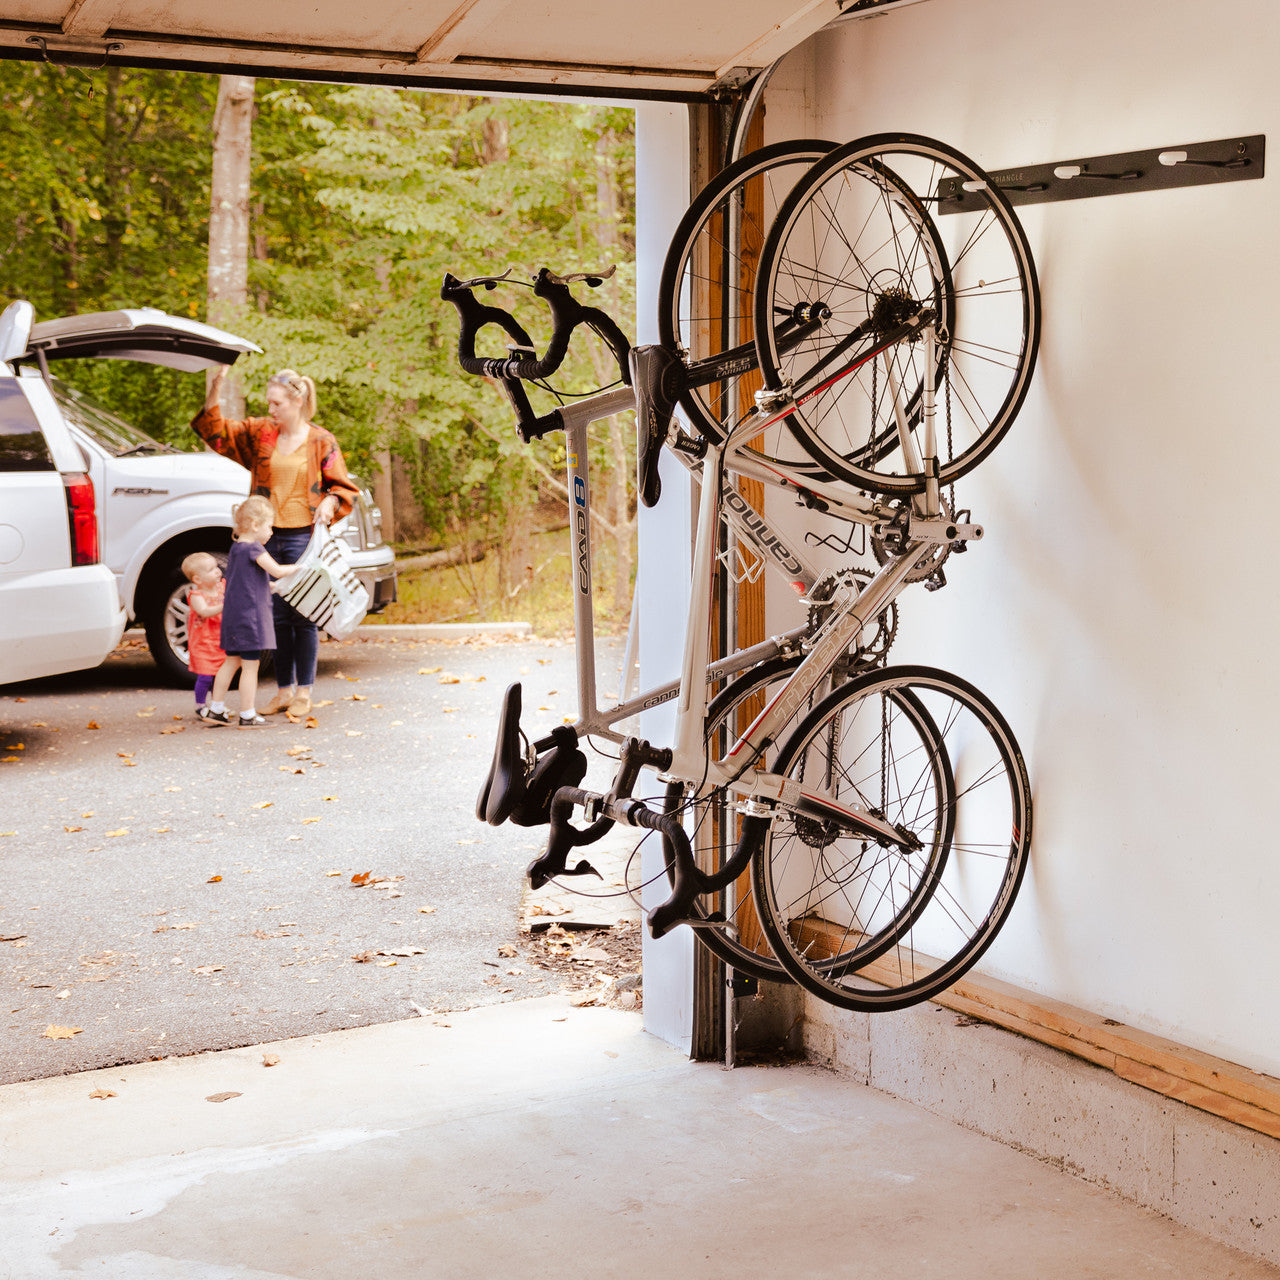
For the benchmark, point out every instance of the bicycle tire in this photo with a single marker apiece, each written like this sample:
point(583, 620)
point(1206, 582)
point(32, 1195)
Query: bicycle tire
point(868, 235)
point(739, 942)
point(705, 291)
point(822, 894)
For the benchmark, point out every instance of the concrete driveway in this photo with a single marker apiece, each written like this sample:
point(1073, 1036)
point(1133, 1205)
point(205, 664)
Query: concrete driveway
point(169, 888)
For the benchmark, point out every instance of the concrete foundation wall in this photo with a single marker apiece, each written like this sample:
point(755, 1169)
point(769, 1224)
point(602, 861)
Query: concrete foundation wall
point(1206, 1173)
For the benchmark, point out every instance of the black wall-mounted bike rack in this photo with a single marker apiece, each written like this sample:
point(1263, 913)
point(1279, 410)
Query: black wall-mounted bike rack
point(1186, 165)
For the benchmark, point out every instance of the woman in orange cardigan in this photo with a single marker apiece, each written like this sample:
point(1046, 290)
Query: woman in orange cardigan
point(299, 467)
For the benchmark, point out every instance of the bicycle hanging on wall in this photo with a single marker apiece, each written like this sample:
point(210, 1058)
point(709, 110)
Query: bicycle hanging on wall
point(883, 813)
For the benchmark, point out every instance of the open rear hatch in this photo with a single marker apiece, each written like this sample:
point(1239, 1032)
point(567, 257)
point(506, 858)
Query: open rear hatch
point(145, 334)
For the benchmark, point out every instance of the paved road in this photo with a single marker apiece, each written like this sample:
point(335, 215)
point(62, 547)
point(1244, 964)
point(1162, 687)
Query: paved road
point(118, 811)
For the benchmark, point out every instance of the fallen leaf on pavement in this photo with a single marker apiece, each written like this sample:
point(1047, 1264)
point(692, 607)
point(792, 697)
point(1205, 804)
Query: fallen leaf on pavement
point(355, 733)
point(449, 678)
point(429, 671)
point(103, 1093)
point(68, 829)
point(61, 1033)
point(386, 964)
point(404, 951)
point(177, 728)
point(307, 820)
point(426, 911)
point(208, 968)
point(364, 957)
point(263, 804)
point(361, 877)
point(93, 724)
point(507, 950)
point(270, 1059)
point(213, 880)
point(62, 995)
point(124, 831)
point(333, 873)
point(221, 1097)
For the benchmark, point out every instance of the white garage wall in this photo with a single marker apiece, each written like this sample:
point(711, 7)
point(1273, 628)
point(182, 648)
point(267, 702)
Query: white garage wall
point(665, 536)
point(1122, 610)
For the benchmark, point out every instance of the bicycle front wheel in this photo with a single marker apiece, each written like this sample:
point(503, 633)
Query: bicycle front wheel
point(883, 227)
point(867, 924)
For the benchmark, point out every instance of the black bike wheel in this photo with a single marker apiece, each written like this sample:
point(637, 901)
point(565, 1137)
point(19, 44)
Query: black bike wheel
point(883, 227)
point(740, 941)
point(871, 925)
point(708, 277)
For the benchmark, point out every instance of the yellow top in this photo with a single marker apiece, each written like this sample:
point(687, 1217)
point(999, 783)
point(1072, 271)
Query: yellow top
point(289, 488)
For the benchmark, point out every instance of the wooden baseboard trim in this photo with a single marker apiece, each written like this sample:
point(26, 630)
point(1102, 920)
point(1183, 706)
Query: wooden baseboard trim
point(1225, 1089)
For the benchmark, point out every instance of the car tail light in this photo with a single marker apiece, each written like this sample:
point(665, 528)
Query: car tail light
point(82, 518)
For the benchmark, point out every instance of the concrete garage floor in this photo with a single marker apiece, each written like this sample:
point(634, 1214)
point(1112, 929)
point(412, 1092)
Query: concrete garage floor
point(533, 1139)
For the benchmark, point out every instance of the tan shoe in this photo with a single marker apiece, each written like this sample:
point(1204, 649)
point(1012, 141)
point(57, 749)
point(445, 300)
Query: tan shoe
point(279, 703)
point(300, 706)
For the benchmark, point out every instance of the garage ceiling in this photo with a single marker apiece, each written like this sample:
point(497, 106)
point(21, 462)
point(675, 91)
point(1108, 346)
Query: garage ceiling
point(665, 49)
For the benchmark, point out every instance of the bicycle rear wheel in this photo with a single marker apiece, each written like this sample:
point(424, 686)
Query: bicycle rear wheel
point(881, 228)
point(872, 925)
point(708, 277)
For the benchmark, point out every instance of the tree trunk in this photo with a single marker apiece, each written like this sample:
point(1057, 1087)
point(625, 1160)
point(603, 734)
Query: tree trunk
point(228, 290)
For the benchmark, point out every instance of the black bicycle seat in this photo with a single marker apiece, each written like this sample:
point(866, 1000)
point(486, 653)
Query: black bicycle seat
point(504, 788)
point(654, 375)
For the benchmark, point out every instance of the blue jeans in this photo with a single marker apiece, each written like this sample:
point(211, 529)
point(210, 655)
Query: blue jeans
point(297, 641)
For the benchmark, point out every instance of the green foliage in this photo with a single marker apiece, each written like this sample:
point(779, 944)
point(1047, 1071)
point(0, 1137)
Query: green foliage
point(361, 199)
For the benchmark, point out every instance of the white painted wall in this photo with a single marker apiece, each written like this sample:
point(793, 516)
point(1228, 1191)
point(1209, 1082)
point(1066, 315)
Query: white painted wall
point(1123, 608)
point(665, 539)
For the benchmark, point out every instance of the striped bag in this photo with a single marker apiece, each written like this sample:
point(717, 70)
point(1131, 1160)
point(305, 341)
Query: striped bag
point(325, 588)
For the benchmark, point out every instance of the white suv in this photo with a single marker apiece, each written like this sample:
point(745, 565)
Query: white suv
point(59, 607)
point(158, 504)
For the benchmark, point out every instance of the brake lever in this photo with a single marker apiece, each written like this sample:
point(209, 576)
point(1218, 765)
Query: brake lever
point(489, 282)
point(593, 278)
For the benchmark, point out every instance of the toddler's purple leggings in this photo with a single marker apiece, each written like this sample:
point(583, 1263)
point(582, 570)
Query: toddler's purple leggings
point(203, 685)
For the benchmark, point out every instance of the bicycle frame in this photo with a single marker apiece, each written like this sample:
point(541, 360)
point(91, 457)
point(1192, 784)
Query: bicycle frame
point(698, 673)
point(771, 546)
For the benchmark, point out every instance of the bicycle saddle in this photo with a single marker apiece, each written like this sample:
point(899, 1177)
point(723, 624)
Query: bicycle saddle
point(504, 788)
point(653, 375)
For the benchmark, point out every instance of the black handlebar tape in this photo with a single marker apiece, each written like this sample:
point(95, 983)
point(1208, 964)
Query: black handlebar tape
point(474, 315)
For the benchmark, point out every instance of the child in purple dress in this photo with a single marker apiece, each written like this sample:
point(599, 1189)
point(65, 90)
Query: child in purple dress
point(247, 628)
